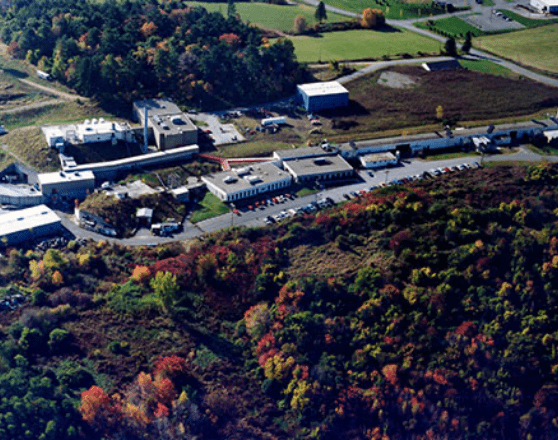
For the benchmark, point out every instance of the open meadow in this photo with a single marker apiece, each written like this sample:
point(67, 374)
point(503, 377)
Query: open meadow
point(361, 44)
point(280, 17)
point(392, 9)
point(534, 47)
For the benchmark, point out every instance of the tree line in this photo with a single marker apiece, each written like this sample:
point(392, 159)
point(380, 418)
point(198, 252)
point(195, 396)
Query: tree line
point(118, 51)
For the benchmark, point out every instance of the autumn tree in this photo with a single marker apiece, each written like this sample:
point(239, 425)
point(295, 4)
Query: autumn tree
point(164, 287)
point(372, 18)
point(299, 26)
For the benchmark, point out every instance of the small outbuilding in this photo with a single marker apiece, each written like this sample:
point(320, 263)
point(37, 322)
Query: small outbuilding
point(322, 95)
point(436, 66)
point(144, 216)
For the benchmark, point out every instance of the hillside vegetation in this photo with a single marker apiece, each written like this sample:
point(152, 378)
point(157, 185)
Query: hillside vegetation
point(420, 312)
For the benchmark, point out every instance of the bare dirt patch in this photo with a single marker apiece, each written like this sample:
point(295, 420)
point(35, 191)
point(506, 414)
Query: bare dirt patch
point(397, 80)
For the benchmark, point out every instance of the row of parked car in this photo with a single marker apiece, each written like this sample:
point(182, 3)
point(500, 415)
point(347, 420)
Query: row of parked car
point(501, 15)
point(307, 209)
point(435, 172)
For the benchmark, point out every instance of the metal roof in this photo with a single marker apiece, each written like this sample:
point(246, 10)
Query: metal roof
point(23, 219)
point(322, 88)
point(65, 176)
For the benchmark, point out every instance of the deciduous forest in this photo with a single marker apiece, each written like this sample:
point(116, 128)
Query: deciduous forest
point(420, 312)
point(119, 51)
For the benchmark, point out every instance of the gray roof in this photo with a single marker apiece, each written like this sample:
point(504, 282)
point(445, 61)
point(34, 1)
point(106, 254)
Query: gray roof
point(23, 219)
point(172, 124)
point(304, 152)
point(239, 179)
point(159, 107)
point(318, 165)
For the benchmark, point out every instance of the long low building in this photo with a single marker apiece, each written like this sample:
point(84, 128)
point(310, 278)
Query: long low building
point(110, 170)
point(29, 224)
point(378, 160)
point(242, 183)
point(319, 168)
point(91, 131)
point(67, 184)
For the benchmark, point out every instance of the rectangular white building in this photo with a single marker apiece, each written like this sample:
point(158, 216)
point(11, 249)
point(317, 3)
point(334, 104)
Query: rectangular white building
point(322, 95)
point(28, 224)
point(319, 168)
point(545, 6)
point(243, 183)
point(378, 160)
point(67, 184)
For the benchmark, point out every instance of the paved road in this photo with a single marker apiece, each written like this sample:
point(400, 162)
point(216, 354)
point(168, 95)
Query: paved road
point(255, 218)
point(474, 53)
point(35, 105)
point(53, 91)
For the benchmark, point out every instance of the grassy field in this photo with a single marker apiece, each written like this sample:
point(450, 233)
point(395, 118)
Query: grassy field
point(452, 25)
point(270, 16)
point(361, 44)
point(525, 21)
point(534, 47)
point(209, 207)
point(486, 66)
point(395, 10)
point(28, 145)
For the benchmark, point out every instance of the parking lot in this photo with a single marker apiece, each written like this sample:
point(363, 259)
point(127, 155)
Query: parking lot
point(220, 133)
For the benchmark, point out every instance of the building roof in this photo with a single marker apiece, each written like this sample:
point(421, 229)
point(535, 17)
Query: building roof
point(378, 157)
point(8, 190)
point(239, 179)
point(318, 165)
point(100, 127)
point(23, 219)
point(159, 107)
point(172, 124)
point(144, 213)
point(65, 176)
point(551, 134)
point(441, 65)
point(550, 2)
point(304, 152)
point(322, 88)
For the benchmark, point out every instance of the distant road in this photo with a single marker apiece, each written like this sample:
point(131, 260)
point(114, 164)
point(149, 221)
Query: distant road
point(474, 53)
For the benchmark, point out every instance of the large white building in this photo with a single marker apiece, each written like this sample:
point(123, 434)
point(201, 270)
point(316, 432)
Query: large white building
point(67, 184)
point(242, 183)
point(91, 131)
point(319, 168)
point(322, 95)
point(545, 6)
point(28, 224)
point(378, 160)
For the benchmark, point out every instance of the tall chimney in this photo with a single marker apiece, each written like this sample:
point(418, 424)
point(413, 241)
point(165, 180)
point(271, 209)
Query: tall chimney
point(145, 131)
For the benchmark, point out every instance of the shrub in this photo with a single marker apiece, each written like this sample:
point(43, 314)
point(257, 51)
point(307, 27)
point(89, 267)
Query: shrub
point(59, 339)
point(299, 26)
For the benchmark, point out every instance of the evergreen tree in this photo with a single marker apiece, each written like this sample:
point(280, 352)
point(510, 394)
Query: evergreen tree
point(450, 47)
point(321, 13)
point(231, 9)
point(467, 44)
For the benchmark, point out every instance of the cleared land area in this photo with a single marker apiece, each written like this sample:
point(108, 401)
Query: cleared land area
point(534, 47)
point(463, 94)
point(392, 9)
point(361, 44)
point(485, 66)
point(279, 17)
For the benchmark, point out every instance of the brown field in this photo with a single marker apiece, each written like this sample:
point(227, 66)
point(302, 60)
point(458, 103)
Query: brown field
point(464, 94)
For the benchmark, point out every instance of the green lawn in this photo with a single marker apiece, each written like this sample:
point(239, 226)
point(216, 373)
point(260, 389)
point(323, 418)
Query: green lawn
point(209, 207)
point(532, 47)
point(270, 16)
point(452, 25)
point(486, 66)
point(395, 10)
point(525, 21)
point(361, 44)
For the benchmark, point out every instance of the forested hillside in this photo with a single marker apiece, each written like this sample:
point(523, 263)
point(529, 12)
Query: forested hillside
point(420, 312)
point(118, 51)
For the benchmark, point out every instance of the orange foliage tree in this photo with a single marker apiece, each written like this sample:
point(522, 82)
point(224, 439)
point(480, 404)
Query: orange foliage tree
point(372, 18)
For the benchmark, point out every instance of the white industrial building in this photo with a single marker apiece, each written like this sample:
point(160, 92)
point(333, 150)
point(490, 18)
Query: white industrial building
point(67, 184)
point(545, 6)
point(20, 195)
point(91, 131)
point(378, 160)
point(242, 183)
point(28, 224)
point(322, 95)
point(319, 168)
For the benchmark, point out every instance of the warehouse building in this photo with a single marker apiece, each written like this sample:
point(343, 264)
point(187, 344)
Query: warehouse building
point(246, 182)
point(545, 6)
point(20, 195)
point(28, 224)
point(378, 160)
point(167, 125)
point(67, 185)
point(322, 96)
point(319, 168)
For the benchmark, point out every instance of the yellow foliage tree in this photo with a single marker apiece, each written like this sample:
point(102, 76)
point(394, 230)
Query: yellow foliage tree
point(57, 278)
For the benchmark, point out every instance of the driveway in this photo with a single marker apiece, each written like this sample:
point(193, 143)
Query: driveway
point(220, 133)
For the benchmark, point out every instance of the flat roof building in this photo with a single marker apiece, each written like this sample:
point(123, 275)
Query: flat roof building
point(246, 182)
point(322, 95)
point(28, 224)
point(67, 184)
point(319, 168)
point(302, 153)
point(168, 125)
point(90, 131)
point(545, 6)
point(378, 160)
